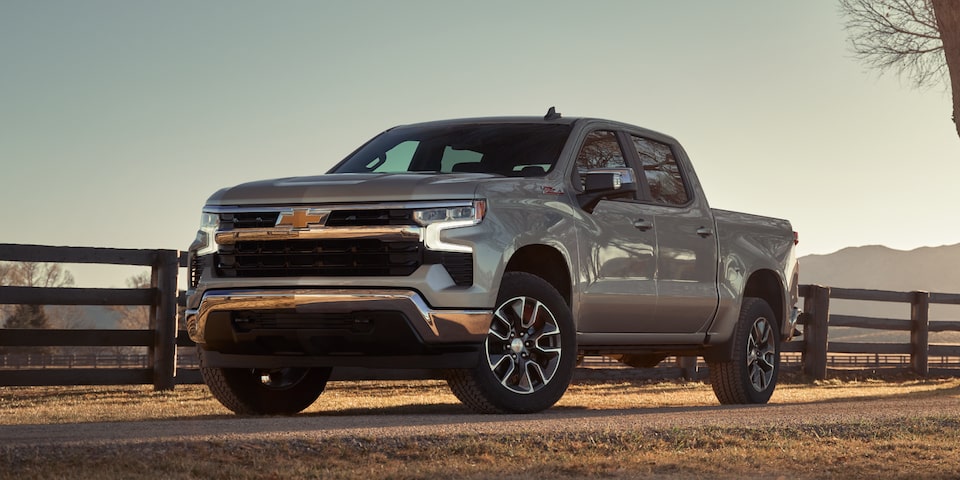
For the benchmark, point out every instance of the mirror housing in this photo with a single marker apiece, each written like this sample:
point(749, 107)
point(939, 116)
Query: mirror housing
point(607, 183)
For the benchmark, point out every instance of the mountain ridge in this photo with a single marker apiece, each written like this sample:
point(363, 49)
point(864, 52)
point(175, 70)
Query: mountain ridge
point(935, 269)
point(877, 267)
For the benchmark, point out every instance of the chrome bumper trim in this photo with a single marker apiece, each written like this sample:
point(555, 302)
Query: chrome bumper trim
point(230, 237)
point(433, 325)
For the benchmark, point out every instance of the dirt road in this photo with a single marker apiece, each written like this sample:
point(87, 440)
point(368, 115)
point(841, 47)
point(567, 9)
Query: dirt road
point(443, 422)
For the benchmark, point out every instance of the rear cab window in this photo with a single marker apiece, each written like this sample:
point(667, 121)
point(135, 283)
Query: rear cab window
point(667, 186)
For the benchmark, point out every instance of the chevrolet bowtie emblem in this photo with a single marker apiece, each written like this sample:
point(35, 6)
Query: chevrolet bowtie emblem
point(301, 218)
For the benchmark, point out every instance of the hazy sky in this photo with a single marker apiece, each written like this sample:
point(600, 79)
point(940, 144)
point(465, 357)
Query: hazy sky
point(119, 118)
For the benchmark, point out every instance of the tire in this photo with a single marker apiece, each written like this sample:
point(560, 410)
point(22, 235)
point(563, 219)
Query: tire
point(529, 355)
point(251, 391)
point(751, 376)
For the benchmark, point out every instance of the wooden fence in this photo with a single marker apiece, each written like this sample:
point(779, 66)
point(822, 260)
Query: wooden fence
point(160, 339)
point(817, 320)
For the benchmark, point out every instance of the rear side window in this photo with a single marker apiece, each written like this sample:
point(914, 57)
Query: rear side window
point(662, 172)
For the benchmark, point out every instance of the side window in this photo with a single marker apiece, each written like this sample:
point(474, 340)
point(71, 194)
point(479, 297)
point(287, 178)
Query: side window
point(662, 172)
point(599, 150)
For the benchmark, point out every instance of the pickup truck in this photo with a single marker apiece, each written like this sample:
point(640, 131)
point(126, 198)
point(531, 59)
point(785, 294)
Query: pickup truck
point(498, 251)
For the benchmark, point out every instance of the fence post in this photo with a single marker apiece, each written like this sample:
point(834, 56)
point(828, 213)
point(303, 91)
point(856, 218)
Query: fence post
point(163, 318)
point(920, 333)
point(817, 307)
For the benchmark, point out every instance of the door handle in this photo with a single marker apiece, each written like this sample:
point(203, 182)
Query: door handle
point(643, 225)
point(704, 232)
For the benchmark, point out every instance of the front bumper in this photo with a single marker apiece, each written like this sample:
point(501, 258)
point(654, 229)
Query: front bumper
point(433, 326)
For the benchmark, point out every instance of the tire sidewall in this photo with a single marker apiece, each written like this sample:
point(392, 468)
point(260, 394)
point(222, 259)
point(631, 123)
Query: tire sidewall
point(753, 310)
point(516, 284)
point(242, 391)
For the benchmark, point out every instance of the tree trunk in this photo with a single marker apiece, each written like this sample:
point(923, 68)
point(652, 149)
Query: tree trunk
point(948, 22)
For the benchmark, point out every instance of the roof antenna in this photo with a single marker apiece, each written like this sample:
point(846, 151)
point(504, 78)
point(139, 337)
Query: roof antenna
point(552, 114)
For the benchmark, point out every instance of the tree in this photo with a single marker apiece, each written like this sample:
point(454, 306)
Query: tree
point(27, 316)
point(48, 275)
point(133, 317)
point(6, 272)
point(6, 269)
point(32, 274)
point(919, 39)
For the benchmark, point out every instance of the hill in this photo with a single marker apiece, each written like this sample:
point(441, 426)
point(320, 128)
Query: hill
point(932, 269)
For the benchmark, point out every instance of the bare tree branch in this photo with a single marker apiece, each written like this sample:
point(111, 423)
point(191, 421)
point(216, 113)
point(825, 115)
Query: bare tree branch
point(919, 39)
point(132, 317)
point(900, 35)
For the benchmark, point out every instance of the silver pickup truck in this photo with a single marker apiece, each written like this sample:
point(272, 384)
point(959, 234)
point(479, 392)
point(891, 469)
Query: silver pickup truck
point(498, 250)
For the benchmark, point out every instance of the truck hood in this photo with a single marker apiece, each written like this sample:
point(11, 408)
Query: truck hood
point(351, 188)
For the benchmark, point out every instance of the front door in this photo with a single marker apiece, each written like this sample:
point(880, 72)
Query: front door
point(618, 252)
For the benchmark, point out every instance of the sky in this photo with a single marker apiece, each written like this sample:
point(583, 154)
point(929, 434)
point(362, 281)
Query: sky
point(119, 118)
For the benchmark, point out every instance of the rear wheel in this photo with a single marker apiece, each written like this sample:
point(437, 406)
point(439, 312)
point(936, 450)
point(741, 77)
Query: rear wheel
point(751, 376)
point(254, 391)
point(529, 354)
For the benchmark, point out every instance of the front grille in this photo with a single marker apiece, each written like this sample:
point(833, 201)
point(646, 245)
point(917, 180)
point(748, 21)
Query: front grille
point(329, 257)
point(248, 219)
point(337, 218)
point(295, 258)
point(365, 218)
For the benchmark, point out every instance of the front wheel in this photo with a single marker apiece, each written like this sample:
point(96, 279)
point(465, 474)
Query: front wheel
point(529, 354)
point(751, 375)
point(254, 391)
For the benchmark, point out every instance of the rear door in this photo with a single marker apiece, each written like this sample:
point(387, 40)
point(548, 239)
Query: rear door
point(687, 262)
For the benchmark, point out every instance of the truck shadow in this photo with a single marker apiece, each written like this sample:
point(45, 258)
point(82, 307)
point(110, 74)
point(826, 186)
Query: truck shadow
point(828, 394)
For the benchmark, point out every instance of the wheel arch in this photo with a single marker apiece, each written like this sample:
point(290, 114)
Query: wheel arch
point(764, 284)
point(767, 285)
point(547, 263)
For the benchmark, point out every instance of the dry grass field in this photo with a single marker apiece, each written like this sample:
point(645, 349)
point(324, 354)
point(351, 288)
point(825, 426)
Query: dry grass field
point(911, 444)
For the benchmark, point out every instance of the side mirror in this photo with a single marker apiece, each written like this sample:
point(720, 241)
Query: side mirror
point(607, 183)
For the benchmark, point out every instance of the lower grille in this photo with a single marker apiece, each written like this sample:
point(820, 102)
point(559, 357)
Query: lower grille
point(196, 270)
point(295, 258)
point(340, 324)
point(460, 267)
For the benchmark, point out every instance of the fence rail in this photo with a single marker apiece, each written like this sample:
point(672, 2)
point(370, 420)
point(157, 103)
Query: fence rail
point(160, 338)
point(816, 352)
point(817, 320)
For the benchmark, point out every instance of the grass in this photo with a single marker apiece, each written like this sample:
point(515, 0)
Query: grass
point(910, 447)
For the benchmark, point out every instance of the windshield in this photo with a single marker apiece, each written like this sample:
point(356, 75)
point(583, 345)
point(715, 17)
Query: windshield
point(509, 149)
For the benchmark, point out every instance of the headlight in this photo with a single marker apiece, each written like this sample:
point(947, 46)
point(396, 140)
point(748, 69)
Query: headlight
point(204, 244)
point(438, 219)
point(473, 213)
